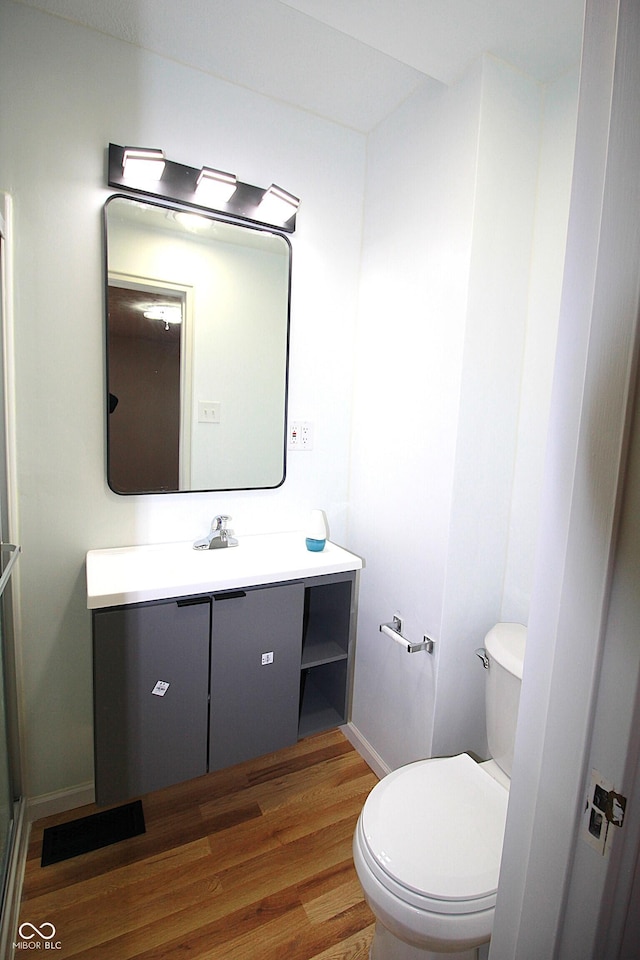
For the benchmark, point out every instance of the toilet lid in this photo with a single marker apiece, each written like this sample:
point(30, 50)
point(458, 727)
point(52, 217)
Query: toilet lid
point(436, 827)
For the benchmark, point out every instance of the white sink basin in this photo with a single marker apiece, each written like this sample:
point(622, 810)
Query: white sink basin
point(158, 571)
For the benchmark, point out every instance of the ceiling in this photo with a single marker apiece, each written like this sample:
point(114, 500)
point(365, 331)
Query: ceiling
point(350, 61)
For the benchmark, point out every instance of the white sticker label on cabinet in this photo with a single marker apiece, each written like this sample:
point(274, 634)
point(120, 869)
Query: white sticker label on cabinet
point(160, 688)
point(267, 658)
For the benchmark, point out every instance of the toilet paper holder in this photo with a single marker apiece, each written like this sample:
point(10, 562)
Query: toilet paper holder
point(394, 630)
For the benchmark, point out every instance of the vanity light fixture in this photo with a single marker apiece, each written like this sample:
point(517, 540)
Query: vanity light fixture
point(278, 206)
point(214, 187)
point(204, 189)
point(142, 164)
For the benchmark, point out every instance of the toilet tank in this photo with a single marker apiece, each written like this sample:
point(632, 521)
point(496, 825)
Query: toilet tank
point(504, 645)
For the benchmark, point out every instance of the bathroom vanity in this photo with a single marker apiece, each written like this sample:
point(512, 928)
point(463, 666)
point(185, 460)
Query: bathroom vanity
point(203, 659)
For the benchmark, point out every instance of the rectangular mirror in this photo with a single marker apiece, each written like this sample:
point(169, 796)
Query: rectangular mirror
point(197, 351)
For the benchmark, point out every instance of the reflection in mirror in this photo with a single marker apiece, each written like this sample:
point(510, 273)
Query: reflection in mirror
point(197, 351)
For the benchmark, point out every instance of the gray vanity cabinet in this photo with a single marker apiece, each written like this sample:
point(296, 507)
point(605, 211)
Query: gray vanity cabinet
point(185, 686)
point(151, 669)
point(256, 640)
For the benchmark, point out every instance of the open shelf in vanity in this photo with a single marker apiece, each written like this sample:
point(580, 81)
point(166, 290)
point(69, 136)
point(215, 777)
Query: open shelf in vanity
point(326, 653)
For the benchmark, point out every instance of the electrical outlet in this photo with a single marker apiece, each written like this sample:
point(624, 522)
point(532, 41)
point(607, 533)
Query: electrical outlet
point(267, 658)
point(209, 411)
point(293, 442)
point(300, 435)
point(306, 435)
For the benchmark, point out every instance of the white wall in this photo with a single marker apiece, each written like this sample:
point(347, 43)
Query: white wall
point(452, 391)
point(419, 214)
point(65, 93)
point(505, 182)
point(239, 360)
point(555, 170)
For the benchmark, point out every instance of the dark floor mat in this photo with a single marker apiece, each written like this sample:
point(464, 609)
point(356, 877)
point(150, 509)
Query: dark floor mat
point(90, 833)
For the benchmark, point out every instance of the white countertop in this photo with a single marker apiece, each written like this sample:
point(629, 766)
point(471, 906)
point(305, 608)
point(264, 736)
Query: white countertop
point(122, 575)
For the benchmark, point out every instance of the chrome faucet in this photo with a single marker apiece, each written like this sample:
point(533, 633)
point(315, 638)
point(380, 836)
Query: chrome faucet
point(219, 536)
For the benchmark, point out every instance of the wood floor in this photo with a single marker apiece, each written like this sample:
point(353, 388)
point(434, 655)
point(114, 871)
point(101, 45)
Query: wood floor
point(250, 863)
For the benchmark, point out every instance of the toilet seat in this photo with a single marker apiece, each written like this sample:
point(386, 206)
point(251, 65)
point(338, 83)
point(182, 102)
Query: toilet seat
point(431, 832)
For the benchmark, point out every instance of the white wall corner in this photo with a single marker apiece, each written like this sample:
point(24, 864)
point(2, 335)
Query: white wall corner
point(366, 751)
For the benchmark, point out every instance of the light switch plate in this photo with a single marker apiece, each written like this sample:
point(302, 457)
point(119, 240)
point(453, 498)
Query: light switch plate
point(209, 411)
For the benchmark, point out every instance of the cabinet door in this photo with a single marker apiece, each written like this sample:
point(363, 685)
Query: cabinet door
point(255, 672)
point(151, 666)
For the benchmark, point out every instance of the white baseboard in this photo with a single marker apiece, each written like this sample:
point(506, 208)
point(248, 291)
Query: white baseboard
point(60, 801)
point(366, 751)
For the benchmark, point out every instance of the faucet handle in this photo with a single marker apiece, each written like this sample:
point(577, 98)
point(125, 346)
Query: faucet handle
point(220, 522)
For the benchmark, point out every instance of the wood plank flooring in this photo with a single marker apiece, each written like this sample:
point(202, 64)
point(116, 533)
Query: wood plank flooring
point(250, 862)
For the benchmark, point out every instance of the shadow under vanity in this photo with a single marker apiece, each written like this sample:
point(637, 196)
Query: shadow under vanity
point(206, 659)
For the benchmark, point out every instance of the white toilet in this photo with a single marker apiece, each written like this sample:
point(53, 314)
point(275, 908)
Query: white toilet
point(428, 842)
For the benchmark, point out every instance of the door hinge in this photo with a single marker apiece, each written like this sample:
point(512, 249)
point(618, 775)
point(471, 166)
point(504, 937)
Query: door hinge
point(615, 808)
point(604, 808)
